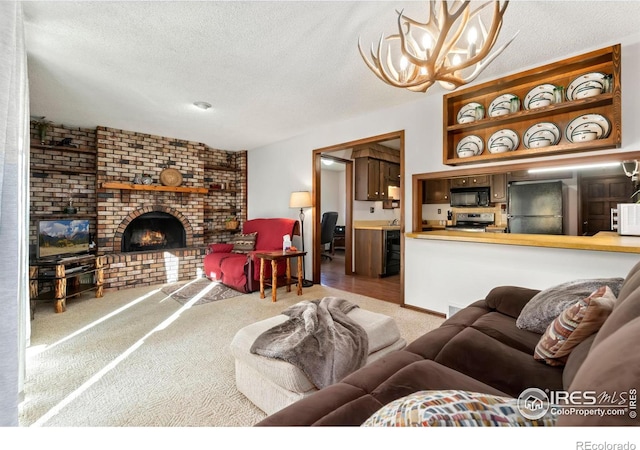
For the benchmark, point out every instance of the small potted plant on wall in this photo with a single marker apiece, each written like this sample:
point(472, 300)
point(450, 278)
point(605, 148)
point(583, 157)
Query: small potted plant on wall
point(231, 223)
point(43, 126)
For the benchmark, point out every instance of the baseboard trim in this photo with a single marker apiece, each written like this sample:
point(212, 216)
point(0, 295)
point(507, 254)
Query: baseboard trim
point(424, 310)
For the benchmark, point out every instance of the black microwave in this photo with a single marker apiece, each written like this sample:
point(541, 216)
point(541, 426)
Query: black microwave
point(470, 196)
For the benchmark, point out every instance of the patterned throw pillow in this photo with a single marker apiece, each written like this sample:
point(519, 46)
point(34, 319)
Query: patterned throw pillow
point(574, 325)
point(244, 243)
point(453, 409)
point(548, 304)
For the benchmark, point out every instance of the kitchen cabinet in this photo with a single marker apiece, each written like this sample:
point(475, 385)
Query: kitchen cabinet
point(436, 191)
point(499, 188)
point(377, 252)
point(367, 175)
point(391, 173)
point(525, 175)
point(561, 73)
point(475, 181)
point(373, 178)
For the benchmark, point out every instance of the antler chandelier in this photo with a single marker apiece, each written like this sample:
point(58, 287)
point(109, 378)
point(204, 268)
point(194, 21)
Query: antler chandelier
point(435, 50)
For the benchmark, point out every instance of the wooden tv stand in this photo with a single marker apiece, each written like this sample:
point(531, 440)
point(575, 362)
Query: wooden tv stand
point(66, 277)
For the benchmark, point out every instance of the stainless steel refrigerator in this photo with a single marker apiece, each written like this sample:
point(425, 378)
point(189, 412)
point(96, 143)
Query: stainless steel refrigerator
point(535, 208)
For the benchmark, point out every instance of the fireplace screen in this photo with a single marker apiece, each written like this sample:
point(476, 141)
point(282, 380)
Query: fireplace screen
point(153, 231)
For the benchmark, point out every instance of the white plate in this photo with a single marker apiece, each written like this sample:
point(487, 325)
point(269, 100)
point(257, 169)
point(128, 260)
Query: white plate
point(503, 141)
point(587, 128)
point(539, 96)
point(471, 145)
point(468, 113)
point(501, 105)
point(586, 85)
point(541, 134)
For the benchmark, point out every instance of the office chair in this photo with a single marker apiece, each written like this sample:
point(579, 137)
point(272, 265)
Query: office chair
point(327, 228)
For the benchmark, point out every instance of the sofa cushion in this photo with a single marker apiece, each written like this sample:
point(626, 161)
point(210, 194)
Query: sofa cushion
point(503, 328)
point(455, 408)
point(540, 311)
point(271, 231)
point(574, 325)
point(631, 283)
point(612, 367)
point(509, 300)
point(622, 313)
point(575, 360)
point(220, 248)
point(497, 364)
point(427, 375)
point(244, 242)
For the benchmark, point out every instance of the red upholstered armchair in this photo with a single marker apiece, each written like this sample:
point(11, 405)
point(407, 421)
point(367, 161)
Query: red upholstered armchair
point(242, 271)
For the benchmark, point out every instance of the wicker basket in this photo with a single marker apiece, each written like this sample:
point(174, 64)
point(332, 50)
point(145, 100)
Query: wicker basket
point(232, 224)
point(170, 177)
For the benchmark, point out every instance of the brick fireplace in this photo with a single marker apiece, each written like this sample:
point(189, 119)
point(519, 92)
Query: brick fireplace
point(118, 156)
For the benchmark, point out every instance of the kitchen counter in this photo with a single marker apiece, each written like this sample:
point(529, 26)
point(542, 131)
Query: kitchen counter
point(377, 227)
point(374, 225)
point(605, 241)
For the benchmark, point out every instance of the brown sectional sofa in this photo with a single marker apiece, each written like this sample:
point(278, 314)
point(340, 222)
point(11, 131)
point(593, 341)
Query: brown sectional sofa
point(480, 349)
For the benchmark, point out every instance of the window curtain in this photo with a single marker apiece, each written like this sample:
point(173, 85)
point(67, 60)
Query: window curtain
point(14, 201)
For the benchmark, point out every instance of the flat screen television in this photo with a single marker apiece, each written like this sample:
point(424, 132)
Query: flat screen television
point(59, 238)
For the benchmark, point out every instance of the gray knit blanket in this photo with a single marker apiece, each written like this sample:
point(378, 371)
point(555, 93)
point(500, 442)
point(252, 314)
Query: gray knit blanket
point(319, 338)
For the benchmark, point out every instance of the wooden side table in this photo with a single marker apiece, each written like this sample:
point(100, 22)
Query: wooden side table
point(274, 257)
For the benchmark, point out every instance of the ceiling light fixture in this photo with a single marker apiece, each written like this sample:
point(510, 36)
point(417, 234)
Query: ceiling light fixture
point(327, 162)
point(436, 50)
point(202, 105)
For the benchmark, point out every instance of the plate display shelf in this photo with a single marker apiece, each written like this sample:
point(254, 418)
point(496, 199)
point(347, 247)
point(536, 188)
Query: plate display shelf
point(560, 73)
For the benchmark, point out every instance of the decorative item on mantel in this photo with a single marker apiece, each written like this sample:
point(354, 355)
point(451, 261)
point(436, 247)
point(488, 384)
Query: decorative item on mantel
point(137, 179)
point(232, 223)
point(146, 179)
point(434, 50)
point(170, 177)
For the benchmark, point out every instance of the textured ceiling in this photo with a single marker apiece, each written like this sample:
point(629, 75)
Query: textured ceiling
point(271, 70)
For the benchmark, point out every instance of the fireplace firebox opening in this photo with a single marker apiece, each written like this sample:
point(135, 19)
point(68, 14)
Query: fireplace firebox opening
point(153, 231)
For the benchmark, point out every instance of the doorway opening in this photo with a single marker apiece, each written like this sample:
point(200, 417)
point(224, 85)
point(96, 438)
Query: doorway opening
point(340, 174)
point(599, 193)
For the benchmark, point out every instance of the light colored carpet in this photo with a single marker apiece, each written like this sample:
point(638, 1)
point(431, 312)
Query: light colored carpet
point(183, 291)
point(137, 358)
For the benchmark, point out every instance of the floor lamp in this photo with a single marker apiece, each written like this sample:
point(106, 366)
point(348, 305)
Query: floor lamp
point(301, 199)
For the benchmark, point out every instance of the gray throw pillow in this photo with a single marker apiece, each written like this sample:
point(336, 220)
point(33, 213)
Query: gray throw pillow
point(548, 304)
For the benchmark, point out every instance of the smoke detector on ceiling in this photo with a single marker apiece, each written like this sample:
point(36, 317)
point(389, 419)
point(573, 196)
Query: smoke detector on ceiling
point(202, 105)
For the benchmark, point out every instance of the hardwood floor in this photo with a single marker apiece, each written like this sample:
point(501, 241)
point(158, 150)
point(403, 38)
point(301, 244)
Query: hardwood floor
point(332, 275)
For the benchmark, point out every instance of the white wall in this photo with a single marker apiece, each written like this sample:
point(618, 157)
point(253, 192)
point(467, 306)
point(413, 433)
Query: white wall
point(446, 273)
point(332, 195)
point(270, 183)
point(362, 211)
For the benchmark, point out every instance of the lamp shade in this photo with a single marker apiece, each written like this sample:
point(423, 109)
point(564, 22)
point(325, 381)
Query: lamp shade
point(300, 199)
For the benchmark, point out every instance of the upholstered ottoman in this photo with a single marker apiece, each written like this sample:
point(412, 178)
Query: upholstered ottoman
point(271, 384)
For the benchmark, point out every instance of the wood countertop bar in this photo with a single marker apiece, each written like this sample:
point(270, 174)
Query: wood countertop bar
point(604, 241)
point(374, 225)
